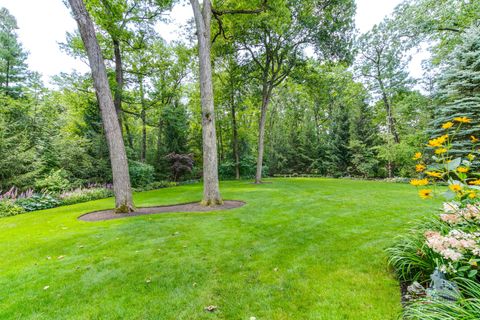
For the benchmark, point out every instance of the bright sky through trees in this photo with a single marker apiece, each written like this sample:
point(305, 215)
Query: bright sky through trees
point(41, 36)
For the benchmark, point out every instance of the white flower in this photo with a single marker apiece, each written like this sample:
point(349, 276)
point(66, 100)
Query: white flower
point(452, 254)
point(450, 207)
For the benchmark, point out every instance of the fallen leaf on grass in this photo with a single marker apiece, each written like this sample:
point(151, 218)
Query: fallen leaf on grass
point(46, 287)
point(210, 308)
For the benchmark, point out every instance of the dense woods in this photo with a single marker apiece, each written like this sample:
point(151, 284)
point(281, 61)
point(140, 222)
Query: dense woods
point(282, 88)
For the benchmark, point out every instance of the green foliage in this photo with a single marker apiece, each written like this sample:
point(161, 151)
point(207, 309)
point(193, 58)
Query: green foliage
point(248, 167)
point(440, 24)
point(460, 93)
point(339, 138)
point(84, 195)
point(410, 256)
point(13, 66)
point(157, 185)
point(38, 202)
point(55, 182)
point(465, 308)
point(10, 208)
point(141, 174)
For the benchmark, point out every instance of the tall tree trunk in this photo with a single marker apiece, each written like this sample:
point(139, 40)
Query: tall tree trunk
point(220, 142)
point(392, 128)
point(159, 140)
point(266, 93)
point(235, 138)
point(118, 157)
point(127, 131)
point(117, 100)
point(143, 116)
point(211, 190)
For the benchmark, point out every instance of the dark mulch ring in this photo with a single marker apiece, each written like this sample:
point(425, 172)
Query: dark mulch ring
point(186, 207)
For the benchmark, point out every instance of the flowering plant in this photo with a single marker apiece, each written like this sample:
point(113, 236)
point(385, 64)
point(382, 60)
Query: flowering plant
point(463, 182)
point(455, 247)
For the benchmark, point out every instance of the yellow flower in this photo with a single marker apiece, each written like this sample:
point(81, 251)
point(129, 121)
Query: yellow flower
point(462, 169)
point(455, 187)
point(441, 151)
point(425, 193)
point(420, 167)
point(474, 182)
point(474, 139)
point(472, 195)
point(419, 182)
point(462, 119)
point(417, 156)
point(471, 157)
point(434, 174)
point(437, 142)
point(447, 125)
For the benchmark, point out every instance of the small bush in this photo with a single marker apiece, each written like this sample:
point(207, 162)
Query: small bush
point(55, 182)
point(38, 202)
point(10, 208)
point(141, 174)
point(180, 164)
point(157, 185)
point(83, 195)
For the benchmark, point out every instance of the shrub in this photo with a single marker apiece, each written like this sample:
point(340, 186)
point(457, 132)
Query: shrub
point(141, 174)
point(410, 256)
point(38, 202)
point(466, 307)
point(84, 195)
point(248, 168)
point(9, 208)
point(157, 185)
point(180, 164)
point(55, 182)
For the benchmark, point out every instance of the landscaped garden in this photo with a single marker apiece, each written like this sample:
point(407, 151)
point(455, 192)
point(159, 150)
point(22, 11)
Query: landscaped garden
point(256, 160)
point(298, 249)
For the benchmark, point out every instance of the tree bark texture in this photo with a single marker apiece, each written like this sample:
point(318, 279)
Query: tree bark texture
point(118, 157)
point(211, 190)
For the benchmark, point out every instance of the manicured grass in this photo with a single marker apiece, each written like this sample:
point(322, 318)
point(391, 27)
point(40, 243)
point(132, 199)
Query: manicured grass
point(299, 249)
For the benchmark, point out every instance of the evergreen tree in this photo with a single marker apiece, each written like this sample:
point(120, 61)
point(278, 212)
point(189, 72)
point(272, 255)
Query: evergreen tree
point(339, 141)
point(363, 140)
point(460, 93)
point(13, 68)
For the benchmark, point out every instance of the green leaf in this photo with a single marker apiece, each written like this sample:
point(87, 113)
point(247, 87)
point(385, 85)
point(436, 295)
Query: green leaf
point(464, 268)
point(449, 195)
point(454, 164)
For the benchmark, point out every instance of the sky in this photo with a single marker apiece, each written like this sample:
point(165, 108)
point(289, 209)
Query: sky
point(44, 23)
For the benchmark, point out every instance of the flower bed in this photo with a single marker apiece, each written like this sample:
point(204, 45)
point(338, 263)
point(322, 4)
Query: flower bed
point(449, 242)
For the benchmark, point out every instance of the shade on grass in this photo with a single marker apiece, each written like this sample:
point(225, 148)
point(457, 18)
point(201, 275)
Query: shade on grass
point(299, 249)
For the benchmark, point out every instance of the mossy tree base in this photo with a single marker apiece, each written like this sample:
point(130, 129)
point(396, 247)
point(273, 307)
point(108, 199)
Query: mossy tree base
point(124, 208)
point(211, 202)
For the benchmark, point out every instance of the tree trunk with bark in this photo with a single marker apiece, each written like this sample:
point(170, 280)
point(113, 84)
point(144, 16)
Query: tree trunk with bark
point(266, 94)
point(118, 157)
point(127, 131)
point(143, 116)
point(235, 139)
point(117, 100)
point(211, 191)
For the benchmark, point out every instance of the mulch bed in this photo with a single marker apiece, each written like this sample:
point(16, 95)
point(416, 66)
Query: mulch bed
point(186, 207)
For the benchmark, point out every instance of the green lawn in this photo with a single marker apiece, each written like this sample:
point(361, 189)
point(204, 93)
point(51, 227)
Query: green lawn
point(299, 249)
